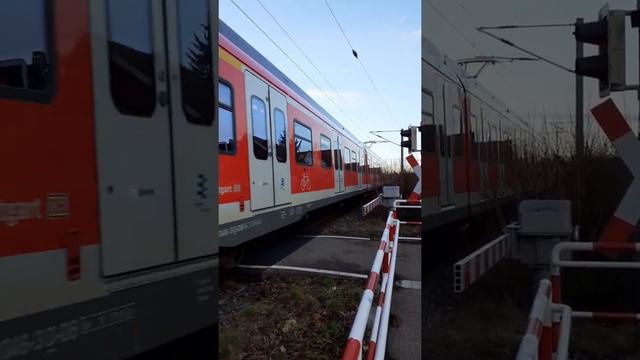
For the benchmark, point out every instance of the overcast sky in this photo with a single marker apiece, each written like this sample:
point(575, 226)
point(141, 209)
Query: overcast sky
point(531, 88)
point(386, 35)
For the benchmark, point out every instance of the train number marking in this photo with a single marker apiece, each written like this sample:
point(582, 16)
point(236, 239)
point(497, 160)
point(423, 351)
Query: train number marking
point(48, 338)
point(11, 213)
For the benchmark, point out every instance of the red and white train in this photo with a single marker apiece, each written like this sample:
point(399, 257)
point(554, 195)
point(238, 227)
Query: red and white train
point(474, 148)
point(280, 153)
point(109, 229)
point(108, 216)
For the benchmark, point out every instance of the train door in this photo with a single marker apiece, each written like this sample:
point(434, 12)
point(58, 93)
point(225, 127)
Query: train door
point(338, 174)
point(446, 162)
point(193, 129)
point(139, 217)
point(260, 149)
point(267, 132)
point(279, 156)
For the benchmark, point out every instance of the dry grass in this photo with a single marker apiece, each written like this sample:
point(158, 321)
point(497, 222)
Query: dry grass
point(296, 317)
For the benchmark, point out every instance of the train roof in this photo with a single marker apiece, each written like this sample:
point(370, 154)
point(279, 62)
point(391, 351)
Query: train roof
point(237, 40)
point(451, 69)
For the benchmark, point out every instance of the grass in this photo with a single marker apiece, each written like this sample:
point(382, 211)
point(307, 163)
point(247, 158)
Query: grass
point(296, 317)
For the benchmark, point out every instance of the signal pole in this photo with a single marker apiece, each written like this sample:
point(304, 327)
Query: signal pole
point(402, 151)
point(579, 128)
point(634, 23)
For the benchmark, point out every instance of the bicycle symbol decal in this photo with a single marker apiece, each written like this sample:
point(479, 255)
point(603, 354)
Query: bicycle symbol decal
point(305, 182)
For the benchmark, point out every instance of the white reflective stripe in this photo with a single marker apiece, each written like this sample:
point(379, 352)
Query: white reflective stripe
point(528, 348)
point(629, 208)
point(360, 322)
point(627, 148)
point(305, 269)
point(333, 237)
point(376, 320)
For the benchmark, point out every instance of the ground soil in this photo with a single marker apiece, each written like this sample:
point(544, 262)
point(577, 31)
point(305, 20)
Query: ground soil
point(293, 317)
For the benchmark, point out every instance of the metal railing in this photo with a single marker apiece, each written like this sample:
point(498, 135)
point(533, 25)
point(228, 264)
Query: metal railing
point(547, 309)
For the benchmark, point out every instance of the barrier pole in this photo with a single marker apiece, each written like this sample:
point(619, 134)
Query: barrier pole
point(353, 348)
point(384, 321)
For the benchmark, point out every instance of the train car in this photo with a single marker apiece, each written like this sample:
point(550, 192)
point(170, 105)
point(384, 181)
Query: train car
point(473, 146)
point(281, 154)
point(108, 220)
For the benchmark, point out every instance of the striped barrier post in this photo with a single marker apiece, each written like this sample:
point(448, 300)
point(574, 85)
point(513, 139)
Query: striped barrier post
point(380, 347)
point(417, 190)
point(368, 207)
point(353, 348)
point(473, 266)
point(627, 146)
point(537, 343)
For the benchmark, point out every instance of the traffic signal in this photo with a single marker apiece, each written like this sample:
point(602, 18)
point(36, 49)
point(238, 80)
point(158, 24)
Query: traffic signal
point(412, 138)
point(609, 65)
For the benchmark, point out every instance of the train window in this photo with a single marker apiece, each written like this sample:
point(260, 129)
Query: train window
point(226, 126)
point(131, 62)
point(474, 137)
point(456, 132)
point(26, 69)
point(196, 75)
point(428, 128)
point(304, 147)
point(347, 156)
point(354, 161)
point(259, 128)
point(325, 151)
point(337, 156)
point(281, 135)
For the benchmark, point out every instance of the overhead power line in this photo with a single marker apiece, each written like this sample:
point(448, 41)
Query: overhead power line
point(510, 43)
point(355, 54)
point(472, 44)
point(383, 138)
point(309, 60)
point(296, 64)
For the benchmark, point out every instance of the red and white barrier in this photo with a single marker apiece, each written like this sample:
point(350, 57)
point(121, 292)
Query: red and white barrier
point(537, 342)
point(417, 190)
point(378, 342)
point(353, 348)
point(598, 247)
point(368, 207)
point(627, 147)
point(472, 267)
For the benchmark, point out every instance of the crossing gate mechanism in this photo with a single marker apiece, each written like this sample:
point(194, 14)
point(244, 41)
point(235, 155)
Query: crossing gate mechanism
point(541, 225)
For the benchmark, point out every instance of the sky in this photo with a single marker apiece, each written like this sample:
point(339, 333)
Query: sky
point(532, 89)
point(386, 36)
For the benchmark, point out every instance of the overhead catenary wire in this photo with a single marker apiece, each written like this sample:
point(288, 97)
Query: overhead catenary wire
point(355, 54)
point(472, 44)
point(295, 64)
point(295, 43)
